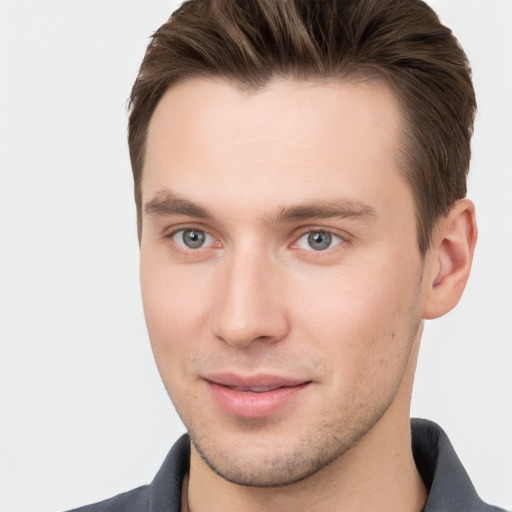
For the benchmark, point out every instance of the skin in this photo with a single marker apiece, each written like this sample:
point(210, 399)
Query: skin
point(243, 169)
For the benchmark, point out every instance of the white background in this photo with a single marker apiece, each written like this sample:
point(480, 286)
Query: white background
point(84, 415)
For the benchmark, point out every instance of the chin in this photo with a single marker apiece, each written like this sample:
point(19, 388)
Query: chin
point(268, 468)
point(258, 458)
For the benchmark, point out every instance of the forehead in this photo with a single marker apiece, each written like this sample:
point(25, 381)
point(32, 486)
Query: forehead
point(290, 138)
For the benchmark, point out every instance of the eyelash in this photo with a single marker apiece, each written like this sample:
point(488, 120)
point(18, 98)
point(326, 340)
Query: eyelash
point(180, 247)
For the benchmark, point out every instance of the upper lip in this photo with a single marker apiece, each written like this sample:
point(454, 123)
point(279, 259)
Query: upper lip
point(257, 381)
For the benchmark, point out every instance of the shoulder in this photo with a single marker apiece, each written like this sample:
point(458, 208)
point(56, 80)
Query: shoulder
point(162, 495)
point(449, 486)
point(136, 500)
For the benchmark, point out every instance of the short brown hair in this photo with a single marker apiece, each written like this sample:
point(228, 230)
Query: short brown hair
point(249, 42)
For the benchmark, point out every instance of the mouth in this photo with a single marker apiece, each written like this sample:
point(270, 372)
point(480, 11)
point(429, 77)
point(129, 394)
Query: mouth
point(254, 397)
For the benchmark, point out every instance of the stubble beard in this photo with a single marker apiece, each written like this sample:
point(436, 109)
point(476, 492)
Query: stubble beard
point(319, 446)
point(311, 453)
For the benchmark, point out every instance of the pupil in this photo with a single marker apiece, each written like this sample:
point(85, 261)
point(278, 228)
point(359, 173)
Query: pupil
point(319, 240)
point(193, 239)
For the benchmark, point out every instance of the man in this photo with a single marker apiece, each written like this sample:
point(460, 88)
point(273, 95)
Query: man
point(300, 179)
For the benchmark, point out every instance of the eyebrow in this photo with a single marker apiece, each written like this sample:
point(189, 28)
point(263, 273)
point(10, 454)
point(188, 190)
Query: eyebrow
point(167, 203)
point(326, 209)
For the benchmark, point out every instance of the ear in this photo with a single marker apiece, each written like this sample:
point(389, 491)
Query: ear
point(448, 261)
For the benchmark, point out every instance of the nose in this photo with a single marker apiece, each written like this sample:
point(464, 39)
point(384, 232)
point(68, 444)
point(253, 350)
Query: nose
point(249, 306)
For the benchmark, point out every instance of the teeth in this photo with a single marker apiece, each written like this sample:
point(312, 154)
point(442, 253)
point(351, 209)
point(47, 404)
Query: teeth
point(254, 390)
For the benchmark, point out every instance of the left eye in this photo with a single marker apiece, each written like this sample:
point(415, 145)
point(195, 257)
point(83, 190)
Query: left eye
point(318, 240)
point(192, 238)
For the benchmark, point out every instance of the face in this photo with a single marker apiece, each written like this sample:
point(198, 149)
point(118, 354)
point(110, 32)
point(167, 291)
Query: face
point(280, 272)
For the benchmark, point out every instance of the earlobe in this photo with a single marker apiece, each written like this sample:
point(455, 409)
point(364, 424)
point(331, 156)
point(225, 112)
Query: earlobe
point(449, 259)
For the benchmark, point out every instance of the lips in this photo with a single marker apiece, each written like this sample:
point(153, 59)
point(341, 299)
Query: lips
point(254, 397)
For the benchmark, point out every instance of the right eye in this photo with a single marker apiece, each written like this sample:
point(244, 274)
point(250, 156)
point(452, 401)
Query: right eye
point(192, 239)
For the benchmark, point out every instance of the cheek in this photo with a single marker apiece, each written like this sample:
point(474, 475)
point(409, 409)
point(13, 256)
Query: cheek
point(361, 322)
point(175, 307)
point(170, 306)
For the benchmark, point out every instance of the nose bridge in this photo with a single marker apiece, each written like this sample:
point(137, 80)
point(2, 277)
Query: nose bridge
point(247, 307)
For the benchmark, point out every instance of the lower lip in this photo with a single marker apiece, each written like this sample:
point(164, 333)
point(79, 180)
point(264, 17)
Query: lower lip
point(253, 405)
